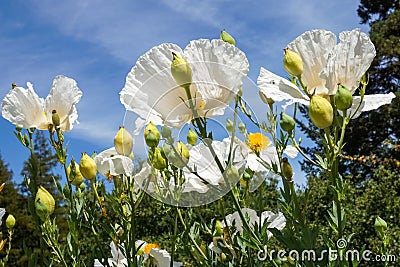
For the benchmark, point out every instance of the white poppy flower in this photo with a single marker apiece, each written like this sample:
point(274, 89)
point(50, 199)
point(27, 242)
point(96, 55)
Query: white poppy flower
point(153, 254)
point(109, 162)
point(326, 64)
point(277, 221)
point(24, 107)
point(151, 91)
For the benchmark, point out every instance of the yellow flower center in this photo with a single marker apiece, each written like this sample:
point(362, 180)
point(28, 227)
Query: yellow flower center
point(148, 247)
point(257, 141)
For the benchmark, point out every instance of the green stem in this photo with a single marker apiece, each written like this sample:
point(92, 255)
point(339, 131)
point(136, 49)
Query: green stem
point(171, 264)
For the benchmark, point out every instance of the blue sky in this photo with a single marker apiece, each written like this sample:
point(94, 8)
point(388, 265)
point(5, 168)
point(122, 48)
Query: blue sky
point(98, 42)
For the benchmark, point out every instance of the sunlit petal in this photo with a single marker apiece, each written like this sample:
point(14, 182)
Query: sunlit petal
point(370, 102)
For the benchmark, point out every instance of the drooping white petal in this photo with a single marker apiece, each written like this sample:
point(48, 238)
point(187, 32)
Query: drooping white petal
point(63, 97)
point(291, 151)
point(280, 89)
point(314, 47)
point(370, 102)
point(218, 69)
point(2, 212)
point(277, 221)
point(109, 162)
point(163, 258)
point(24, 107)
point(348, 61)
point(118, 257)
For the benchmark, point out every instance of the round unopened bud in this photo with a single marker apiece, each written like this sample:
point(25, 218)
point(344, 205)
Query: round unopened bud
point(287, 123)
point(320, 112)
point(265, 99)
point(10, 221)
point(166, 132)
point(123, 142)
point(151, 135)
point(219, 229)
point(19, 127)
point(242, 127)
point(158, 159)
point(292, 63)
point(232, 174)
point(181, 157)
point(287, 170)
point(380, 225)
point(229, 126)
point(191, 137)
point(55, 118)
point(181, 70)
point(88, 167)
point(343, 98)
point(74, 174)
point(226, 37)
point(44, 203)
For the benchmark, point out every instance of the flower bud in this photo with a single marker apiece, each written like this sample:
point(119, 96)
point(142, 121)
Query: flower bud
point(158, 159)
point(219, 229)
point(181, 70)
point(292, 63)
point(380, 225)
point(191, 137)
point(10, 221)
point(232, 174)
point(320, 112)
point(343, 98)
point(166, 132)
point(74, 175)
point(55, 118)
point(123, 142)
point(265, 99)
point(226, 37)
point(19, 127)
point(242, 127)
point(287, 170)
point(151, 135)
point(229, 126)
point(88, 167)
point(247, 174)
point(44, 203)
point(287, 123)
point(181, 158)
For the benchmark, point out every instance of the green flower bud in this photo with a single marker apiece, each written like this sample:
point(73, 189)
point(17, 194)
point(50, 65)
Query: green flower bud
point(181, 158)
point(380, 225)
point(151, 135)
point(287, 170)
point(158, 159)
point(166, 132)
point(181, 70)
point(229, 126)
point(55, 118)
point(82, 186)
point(248, 174)
point(74, 175)
point(191, 137)
point(19, 127)
point(265, 99)
point(242, 127)
point(320, 112)
point(44, 203)
point(287, 123)
point(226, 37)
point(123, 142)
point(232, 174)
point(10, 221)
point(292, 63)
point(219, 229)
point(88, 167)
point(343, 98)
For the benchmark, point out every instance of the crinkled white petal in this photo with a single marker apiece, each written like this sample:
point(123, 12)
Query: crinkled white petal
point(2, 212)
point(218, 69)
point(314, 47)
point(348, 61)
point(163, 258)
point(370, 102)
point(24, 107)
point(279, 89)
point(277, 221)
point(117, 256)
point(291, 151)
point(235, 220)
point(110, 162)
point(63, 97)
